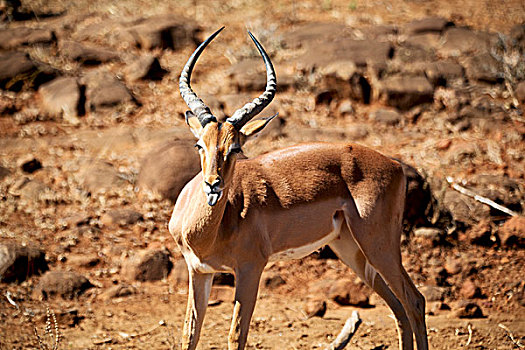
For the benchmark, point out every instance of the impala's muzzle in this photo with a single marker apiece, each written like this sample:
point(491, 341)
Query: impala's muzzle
point(213, 191)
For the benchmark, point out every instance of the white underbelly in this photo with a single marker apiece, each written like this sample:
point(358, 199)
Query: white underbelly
point(304, 250)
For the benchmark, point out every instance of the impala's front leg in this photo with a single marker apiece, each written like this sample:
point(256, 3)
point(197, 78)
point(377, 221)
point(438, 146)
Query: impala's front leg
point(198, 294)
point(246, 287)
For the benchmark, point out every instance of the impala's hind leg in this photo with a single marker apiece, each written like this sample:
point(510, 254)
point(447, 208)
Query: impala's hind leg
point(378, 236)
point(348, 251)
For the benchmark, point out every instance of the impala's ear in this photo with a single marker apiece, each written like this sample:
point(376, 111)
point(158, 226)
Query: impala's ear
point(254, 126)
point(194, 124)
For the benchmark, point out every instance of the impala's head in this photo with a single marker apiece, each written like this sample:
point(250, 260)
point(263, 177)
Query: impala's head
point(220, 143)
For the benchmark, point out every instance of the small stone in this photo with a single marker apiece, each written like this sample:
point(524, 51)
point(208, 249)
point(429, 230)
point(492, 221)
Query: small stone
point(82, 260)
point(484, 67)
point(145, 68)
point(315, 308)
point(346, 108)
point(61, 97)
point(87, 53)
point(274, 281)
point(118, 291)
point(453, 266)
point(428, 234)
point(512, 233)
point(481, 234)
point(469, 290)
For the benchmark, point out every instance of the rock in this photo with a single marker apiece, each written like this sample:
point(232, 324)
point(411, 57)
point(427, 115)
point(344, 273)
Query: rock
point(386, 116)
point(464, 41)
point(167, 168)
point(453, 266)
point(29, 190)
point(315, 308)
point(148, 265)
point(167, 31)
point(469, 290)
point(62, 97)
point(345, 108)
point(484, 67)
point(357, 131)
point(481, 234)
point(83, 260)
point(463, 208)
point(520, 93)
point(466, 309)
point(405, 92)
point(120, 217)
point(512, 232)
point(66, 284)
point(30, 164)
point(345, 292)
point(426, 25)
point(118, 291)
point(433, 293)
point(14, 67)
point(105, 90)
point(146, 67)
point(274, 281)
point(430, 234)
point(443, 73)
point(87, 54)
point(4, 172)
point(96, 176)
point(20, 260)
point(14, 37)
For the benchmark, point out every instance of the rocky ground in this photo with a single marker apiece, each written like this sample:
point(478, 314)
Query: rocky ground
point(94, 151)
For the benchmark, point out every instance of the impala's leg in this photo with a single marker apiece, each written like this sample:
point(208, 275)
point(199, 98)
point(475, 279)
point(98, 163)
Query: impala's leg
point(198, 294)
point(246, 287)
point(348, 251)
point(378, 236)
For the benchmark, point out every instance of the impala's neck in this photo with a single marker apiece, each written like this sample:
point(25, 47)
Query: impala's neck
point(201, 221)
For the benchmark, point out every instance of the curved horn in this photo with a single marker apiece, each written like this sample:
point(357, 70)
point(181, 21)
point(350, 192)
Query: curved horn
point(250, 110)
point(195, 104)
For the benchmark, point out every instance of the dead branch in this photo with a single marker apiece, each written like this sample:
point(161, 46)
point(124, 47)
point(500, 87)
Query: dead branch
point(479, 198)
point(511, 336)
point(347, 332)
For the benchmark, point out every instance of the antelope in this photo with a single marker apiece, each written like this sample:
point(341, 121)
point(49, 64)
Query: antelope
point(236, 215)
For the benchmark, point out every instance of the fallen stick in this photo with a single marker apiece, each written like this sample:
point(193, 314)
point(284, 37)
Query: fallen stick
point(479, 198)
point(347, 332)
point(469, 335)
point(511, 336)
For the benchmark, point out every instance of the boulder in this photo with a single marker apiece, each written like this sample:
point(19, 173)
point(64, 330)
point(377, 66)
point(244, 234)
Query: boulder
point(386, 116)
point(148, 265)
point(146, 67)
point(512, 232)
point(14, 68)
point(97, 175)
point(62, 97)
point(463, 41)
point(315, 308)
point(168, 167)
point(484, 67)
point(432, 293)
point(469, 290)
point(20, 260)
point(87, 54)
point(66, 284)
point(12, 38)
point(467, 309)
point(405, 92)
point(120, 217)
point(443, 73)
point(103, 90)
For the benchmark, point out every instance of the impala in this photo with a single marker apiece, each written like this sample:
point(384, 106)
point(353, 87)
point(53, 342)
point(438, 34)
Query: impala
point(238, 214)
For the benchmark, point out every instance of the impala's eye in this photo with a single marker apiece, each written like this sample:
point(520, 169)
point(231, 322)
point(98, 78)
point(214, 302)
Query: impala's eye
point(198, 147)
point(234, 149)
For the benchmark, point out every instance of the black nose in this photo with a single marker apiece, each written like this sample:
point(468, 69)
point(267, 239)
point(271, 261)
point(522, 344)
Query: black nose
point(215, 183)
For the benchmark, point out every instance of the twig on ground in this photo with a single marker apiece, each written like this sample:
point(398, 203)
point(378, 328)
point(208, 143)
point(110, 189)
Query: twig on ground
point(349, 329)
point(479, 198)
point(511, 336)
point(146, 332)
point(469, 327)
